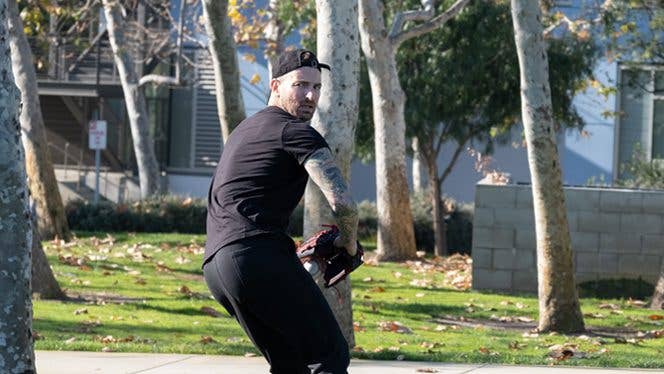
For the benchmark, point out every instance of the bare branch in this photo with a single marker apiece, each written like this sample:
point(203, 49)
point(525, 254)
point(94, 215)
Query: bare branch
point(430, 25)
point(411, 15)
point(159, 80)
point(452, 162)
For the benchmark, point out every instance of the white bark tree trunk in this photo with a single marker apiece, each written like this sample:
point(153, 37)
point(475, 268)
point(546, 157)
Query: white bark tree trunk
point(559, 308)
point(16, 342)
point(657, 302)
point(230, 104)
point(396, 237)
point(274, 34)
point(418, 175)
point(41, 177)
point(336, 118)
point(148, 169)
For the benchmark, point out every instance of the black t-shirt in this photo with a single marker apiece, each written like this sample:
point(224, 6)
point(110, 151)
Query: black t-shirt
point(260, 177)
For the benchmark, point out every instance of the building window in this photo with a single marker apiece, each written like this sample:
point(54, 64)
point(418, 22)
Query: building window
point(641, 121)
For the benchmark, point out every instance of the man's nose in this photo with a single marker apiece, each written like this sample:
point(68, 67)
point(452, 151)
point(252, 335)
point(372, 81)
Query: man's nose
point(311, 95)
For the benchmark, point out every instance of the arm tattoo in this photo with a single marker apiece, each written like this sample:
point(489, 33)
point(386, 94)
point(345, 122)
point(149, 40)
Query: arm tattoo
point(324, 172)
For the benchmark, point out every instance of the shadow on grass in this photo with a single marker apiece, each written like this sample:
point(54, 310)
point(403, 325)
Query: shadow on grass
point(430, 310)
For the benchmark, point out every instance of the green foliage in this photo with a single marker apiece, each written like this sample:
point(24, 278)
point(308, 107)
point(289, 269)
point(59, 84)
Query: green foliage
point(158, 214)
point(641, 173)
point(459, 223)
point(634, 31)
point(462, 80)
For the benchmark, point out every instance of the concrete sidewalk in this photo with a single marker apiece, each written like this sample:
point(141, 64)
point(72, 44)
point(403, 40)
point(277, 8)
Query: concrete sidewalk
point(57, 362)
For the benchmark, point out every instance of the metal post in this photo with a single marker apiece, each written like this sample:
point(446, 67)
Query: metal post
point(97, 161)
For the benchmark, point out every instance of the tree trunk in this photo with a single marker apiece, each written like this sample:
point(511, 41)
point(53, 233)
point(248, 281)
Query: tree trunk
point(559, 307)
point(335, 119)
point(274, 35)
point(41, 177)
point(230, 104)
point(658, 297)
point(418, 176)
point(439, 234)
point(16, 342)
point(148, 169)
point(43, 281)
point(396, 237)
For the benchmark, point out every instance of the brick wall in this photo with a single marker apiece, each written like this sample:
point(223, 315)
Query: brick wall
point(615, 234)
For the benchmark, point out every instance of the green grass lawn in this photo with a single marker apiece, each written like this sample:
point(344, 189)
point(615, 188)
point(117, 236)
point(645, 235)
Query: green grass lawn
point(146, 293)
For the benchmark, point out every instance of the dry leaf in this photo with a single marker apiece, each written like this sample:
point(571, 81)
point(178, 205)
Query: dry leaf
point(419, 294)
point(357, 327)
point(249, 354)
point(207, 339)
point(394, 326)
point(70, 340)
point(655, 317)
point(367, 279)
point(81, 311)
point(377, 289)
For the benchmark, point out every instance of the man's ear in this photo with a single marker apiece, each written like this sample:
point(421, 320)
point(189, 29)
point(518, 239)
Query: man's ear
point(274, 84)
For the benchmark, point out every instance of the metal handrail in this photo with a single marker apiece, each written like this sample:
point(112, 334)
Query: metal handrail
point(80, 168)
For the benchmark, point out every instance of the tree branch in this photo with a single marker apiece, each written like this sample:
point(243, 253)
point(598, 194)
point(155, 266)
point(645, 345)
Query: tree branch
point(430, 25)
point(411, 15)
point(453, 161)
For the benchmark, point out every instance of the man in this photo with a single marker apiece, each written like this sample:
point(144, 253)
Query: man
point(250, 265)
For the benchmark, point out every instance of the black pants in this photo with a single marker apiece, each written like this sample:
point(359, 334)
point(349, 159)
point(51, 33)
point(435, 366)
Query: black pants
point(261, 282)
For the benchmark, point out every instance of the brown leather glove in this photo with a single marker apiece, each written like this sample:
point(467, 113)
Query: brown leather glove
point(334, 262)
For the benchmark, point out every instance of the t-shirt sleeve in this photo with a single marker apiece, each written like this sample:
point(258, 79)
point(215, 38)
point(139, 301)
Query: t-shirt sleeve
point(301, 140)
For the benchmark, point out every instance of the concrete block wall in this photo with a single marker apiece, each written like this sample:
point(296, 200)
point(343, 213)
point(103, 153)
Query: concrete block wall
point(614, 233)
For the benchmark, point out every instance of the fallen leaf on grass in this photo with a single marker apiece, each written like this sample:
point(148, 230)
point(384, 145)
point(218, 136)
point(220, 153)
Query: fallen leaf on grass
point(181, 260)
point(419, 294)
point(107, 349)
point(609, 306)
point(561, 352)
point(394, 326)
point(367, 279)
point(37, 336)
point(486, 351)
point(210, 311)
point(81, 311)
point(70, 340)
point(207, 339)
point(140, 281)
point(636, 303)
point(377, 289)
point(249, 354)
point(594, 315)
point(357, 327)
point(426, 370)
point(655, 317)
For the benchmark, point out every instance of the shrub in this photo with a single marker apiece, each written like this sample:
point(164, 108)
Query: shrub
point(642, 173)
point(157, 214)
point(188, 215)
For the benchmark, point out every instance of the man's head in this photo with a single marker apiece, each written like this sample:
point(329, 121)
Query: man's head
point(296, 82)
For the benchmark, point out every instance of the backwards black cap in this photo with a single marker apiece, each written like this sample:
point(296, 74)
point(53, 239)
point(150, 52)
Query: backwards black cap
point(295, 59)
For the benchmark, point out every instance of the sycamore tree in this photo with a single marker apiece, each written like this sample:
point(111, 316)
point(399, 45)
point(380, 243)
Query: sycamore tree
point(559, 307)
point(230, 105)
point(462, 89)
point(396, 238)
point(16, 341)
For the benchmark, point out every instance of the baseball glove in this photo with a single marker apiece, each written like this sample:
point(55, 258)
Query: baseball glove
point(335, 263)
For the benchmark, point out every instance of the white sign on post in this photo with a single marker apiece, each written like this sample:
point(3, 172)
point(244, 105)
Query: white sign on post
point(97, 135)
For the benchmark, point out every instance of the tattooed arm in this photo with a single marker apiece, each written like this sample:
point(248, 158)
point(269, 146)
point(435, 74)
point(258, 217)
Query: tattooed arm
point(324, 172)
